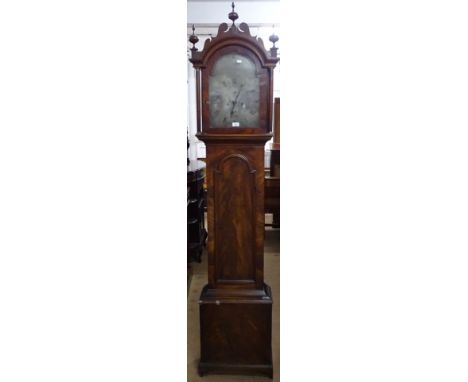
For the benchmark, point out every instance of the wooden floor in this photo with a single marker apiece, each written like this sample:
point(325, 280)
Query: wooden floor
point(199, 279)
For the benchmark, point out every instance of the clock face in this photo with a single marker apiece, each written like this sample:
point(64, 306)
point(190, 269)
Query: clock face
point(234, 92)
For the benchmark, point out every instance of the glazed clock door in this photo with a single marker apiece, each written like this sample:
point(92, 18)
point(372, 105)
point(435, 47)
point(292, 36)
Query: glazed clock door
point(235, 86)
point(234, 92)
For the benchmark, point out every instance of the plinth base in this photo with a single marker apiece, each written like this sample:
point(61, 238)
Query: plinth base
point(236, 334)
point(214, 368)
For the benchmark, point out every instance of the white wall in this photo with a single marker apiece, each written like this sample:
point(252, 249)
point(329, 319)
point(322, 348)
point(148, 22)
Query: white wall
point(263, 19)
point(217, 11)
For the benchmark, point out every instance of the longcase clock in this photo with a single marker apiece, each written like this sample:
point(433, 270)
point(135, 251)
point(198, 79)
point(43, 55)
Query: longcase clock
point(234, 74)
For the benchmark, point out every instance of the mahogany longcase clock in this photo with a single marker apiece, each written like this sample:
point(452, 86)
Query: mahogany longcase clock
point(234, 74)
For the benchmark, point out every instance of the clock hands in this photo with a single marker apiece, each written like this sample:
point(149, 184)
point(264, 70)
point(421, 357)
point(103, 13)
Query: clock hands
point(234, 103)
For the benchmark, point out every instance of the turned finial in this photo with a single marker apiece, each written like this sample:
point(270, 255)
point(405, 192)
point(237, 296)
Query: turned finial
point(233, 15)
point(274, 38)
point(193, 39)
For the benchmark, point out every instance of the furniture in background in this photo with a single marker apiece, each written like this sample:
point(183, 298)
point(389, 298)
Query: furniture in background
point(189, 268)
point(272, 181)
point(272, 199)
point(275, 148)
point(196, 232)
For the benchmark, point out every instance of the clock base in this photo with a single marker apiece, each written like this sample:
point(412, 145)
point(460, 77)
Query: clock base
point(214, 368)
point(236, 335)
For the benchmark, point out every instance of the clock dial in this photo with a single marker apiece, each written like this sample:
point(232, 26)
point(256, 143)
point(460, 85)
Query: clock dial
point(234, 92)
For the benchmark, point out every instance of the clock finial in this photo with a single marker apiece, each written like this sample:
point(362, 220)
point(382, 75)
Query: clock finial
point(233, 15)
point(193, 39)
point(273, 38)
